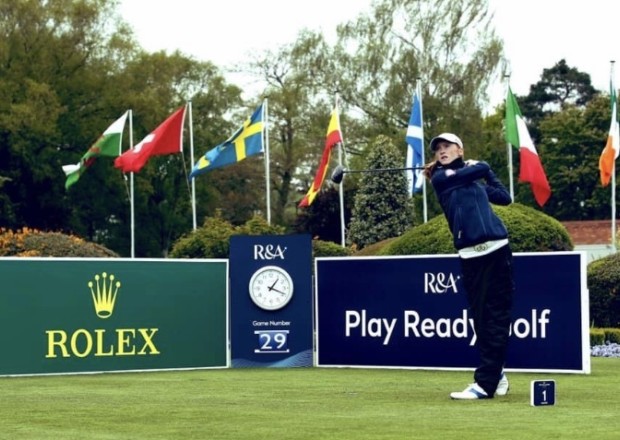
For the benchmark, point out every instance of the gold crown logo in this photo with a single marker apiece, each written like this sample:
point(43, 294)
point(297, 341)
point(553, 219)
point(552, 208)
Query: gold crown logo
point(104, 294)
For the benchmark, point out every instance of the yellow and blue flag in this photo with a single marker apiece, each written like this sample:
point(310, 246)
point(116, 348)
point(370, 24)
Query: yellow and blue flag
point(246, 141)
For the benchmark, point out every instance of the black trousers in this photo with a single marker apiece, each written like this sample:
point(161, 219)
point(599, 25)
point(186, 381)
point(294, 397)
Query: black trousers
point(489, 284)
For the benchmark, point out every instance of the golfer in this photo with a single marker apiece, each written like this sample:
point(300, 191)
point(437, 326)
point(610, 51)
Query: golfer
point(465, 190)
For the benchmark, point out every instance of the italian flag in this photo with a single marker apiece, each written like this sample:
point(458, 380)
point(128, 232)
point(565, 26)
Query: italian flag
point(108, 144)
point(518, 136)
point(334, 137)
point(607, 161)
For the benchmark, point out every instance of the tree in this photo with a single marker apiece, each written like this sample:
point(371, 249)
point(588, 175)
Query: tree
point(568, 123)
point(67, 70)
point(322, 218)
point(448, 44)
point(300, 108)
point(382, 208)
point(373, 66)
point(572, 141)
point(56, 61)
point(559, 87)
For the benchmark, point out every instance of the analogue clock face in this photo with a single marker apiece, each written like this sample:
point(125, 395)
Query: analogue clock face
point(271, 288)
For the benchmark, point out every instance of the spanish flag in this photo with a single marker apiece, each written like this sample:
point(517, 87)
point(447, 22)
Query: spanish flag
point(334, 137)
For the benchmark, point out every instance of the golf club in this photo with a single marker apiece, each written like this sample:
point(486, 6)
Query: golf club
point(339, 171)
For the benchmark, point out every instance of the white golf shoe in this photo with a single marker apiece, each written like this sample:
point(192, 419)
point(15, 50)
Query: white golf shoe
point(503, 386)
point(472, 392)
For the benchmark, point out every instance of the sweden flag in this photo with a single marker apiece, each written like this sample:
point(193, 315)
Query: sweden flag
point(246, 141)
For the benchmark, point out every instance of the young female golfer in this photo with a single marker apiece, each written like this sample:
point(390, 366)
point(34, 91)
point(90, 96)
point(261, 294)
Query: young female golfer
point(465, 190)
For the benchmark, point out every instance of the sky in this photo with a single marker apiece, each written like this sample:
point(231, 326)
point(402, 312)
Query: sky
point(536, 33)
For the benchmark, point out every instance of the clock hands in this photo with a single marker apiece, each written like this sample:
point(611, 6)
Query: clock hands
point(273, 287)
point(274, 284)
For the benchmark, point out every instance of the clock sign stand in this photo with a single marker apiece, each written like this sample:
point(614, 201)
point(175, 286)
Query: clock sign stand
point(270, 301)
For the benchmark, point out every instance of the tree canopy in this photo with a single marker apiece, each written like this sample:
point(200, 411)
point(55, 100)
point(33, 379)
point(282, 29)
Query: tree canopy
point(69, 68)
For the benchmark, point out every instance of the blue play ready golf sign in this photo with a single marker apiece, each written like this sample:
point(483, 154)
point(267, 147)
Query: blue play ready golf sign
point(411, 312)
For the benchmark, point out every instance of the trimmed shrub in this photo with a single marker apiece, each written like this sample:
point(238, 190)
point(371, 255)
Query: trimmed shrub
point(328, 249)
point(209, 241)
point(258, 225)
point(529, 231)
point(604, 287)
point(602, 336)
point(212, 240)
point(597, 336)
point(612, 335)
point(27, 242)
point(373, 249)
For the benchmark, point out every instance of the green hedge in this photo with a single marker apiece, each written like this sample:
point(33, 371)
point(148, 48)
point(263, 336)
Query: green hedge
point(604, 288)
point(212, 240)
point(600, 336)
point(27, 242)
point(529, 231)
point(329, 249)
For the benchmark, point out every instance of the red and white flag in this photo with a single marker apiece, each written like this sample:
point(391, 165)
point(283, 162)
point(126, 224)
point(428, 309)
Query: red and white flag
point(165, 139)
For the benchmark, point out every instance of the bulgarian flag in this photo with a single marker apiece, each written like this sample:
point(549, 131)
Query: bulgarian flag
point(108, 144)
point(334, 137)
point(607, 161)
point(518, 136)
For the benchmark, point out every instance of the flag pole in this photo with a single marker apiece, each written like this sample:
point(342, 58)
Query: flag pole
point(191, 155)
point(613, 208)
point(424, 203)
point(265, 134)
point(613, 169)
point(341, 186)
point(131, 204)
point(508, 146)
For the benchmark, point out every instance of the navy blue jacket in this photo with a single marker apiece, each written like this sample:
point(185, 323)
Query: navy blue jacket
point(465, 199)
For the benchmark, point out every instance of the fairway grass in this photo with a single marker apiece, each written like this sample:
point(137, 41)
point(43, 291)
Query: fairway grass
point(304, 403)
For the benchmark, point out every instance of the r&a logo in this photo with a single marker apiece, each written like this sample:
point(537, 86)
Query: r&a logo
point(440, 282)
point(268, 252)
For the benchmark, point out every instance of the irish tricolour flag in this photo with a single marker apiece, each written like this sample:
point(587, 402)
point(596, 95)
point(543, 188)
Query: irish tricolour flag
point(607, 161)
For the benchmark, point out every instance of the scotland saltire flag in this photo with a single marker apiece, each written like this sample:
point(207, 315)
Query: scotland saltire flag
point(415, 147)
point(246, 141)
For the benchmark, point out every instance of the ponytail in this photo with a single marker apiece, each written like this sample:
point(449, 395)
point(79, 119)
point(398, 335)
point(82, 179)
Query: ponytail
point(430, 168)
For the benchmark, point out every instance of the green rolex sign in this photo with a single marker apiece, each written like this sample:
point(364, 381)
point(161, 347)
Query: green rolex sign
point(89, 315)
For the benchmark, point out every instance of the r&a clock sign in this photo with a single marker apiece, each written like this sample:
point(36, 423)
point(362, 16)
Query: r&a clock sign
point(271, 300)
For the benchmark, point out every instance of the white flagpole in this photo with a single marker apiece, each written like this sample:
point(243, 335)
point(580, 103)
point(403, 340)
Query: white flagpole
point(131, 205)
point(508, 146)
point(613, 171)
point(424, 205)
point(265, 119)
point(613, 208)
point(191, 155)
point(341, 186)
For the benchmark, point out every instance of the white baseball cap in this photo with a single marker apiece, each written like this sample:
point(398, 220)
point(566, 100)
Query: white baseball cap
point(452, 138)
